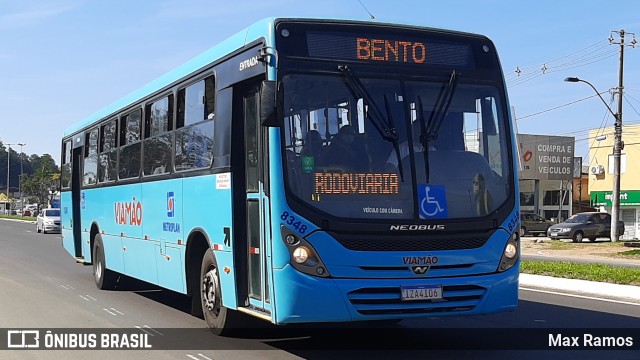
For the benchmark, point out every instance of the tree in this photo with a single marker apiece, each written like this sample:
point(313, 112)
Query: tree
point(43, 184)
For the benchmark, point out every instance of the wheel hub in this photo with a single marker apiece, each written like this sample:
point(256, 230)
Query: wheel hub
point(210, 284)
point(98, 269)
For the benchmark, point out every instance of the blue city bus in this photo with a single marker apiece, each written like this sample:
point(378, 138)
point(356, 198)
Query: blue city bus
point(304, 171)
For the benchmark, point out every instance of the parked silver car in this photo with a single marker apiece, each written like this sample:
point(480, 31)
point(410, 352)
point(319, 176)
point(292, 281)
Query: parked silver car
point(48, 221)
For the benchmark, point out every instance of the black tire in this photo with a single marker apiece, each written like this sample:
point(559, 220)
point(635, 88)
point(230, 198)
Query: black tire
point(105, 278)
point(592, 239)
point(221, 320)
point(578, 237)
point(37, 228)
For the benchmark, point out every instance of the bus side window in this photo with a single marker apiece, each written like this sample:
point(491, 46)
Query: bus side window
point(91, 158)
point(129, 162)
point(195, 125)
point(108, 151)
point(65, 173)
point(158, 136)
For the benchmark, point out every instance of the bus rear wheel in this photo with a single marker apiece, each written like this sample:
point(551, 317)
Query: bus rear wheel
point(105, 278)
point(219, 319)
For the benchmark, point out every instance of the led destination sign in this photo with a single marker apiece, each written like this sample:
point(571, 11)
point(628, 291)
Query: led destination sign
point(391, 50)
point(387, 48)
point(359, 183)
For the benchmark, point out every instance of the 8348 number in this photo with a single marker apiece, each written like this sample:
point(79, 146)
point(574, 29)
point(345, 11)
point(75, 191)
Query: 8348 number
point(293, 222)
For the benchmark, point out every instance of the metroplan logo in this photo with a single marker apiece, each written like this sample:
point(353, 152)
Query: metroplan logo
point(171, 211)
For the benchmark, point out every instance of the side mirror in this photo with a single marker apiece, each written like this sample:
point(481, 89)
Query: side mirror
point(268, 116)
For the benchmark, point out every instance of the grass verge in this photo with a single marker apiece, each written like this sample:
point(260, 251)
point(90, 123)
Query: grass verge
point(18, 217)
point(591, 272)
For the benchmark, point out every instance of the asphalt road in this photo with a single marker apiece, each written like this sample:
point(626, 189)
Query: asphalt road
point(42, 287)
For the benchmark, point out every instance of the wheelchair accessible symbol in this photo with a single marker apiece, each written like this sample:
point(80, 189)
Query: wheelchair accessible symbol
point(433, 201)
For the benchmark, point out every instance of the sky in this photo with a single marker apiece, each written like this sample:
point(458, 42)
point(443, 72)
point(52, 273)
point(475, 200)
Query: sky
point(63, 60)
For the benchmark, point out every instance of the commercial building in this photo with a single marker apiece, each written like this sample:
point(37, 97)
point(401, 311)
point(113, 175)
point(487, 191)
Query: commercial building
point(547, 170)
point(601, 175)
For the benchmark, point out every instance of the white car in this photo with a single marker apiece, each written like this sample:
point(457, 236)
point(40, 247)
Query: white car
point(48, 221)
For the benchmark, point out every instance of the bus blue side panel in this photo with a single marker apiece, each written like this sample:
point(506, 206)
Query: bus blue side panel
point(140, 259)
point(114, 257)
point(66, 219)
point(171, 269)
point(162, 219)
point(208, 206)
point(119, 212)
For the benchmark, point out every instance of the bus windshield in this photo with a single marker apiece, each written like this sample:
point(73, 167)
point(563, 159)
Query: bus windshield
point(420, 150)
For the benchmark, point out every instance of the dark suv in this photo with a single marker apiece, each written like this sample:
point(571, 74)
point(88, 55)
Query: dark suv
point(590, 225)
point(533, 224)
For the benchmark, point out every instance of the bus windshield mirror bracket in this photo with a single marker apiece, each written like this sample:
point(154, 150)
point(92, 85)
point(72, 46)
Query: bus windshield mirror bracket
point(268, 91)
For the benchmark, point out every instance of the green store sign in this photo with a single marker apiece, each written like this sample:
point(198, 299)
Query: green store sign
point(627, 198)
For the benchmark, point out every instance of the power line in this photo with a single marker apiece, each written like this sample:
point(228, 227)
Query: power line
point(367, 10)
point(589, 55)
point(557, 107)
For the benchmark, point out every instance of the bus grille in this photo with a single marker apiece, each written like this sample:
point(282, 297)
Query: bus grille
point(386, 301)
point(410, 243)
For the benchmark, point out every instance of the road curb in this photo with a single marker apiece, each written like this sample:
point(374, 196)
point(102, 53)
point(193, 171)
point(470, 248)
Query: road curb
point(582, 287)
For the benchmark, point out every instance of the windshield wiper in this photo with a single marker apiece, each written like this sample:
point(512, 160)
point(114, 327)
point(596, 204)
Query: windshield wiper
point(429, 129)
point(383, 124)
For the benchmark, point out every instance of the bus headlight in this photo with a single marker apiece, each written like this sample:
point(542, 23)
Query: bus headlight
point(510, 253)
point(300, 254)
point(303, 257)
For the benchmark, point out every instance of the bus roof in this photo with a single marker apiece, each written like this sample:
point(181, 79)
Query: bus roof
point(261, 29)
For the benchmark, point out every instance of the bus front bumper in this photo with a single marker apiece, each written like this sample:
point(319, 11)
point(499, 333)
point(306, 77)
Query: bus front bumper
point(301, 298)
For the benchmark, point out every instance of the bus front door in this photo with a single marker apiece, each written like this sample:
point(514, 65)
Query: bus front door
point(72, 240)
point(251, 252)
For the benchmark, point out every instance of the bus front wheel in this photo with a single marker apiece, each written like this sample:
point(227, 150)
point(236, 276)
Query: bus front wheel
point(105, 278)
point(218, 317)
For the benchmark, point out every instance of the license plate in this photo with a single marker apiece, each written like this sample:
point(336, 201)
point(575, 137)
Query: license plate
point(554, 234)
point(421, 292)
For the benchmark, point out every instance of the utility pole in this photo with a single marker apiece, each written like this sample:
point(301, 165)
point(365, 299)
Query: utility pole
point(8, 204)
point(618, 145)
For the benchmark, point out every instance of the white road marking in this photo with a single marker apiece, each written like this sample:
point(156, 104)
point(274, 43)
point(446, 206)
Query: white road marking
point(91, 297)
point(204, 357)
point(580, 296)
point(67, 287)
point(110, 312)
point(154, 330)
point(116, 310)
point(144, 328)
point(192, 357)
point(84, 298)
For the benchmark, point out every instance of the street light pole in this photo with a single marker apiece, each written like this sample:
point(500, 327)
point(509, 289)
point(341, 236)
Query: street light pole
point(617, 150)
point(20, 182)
